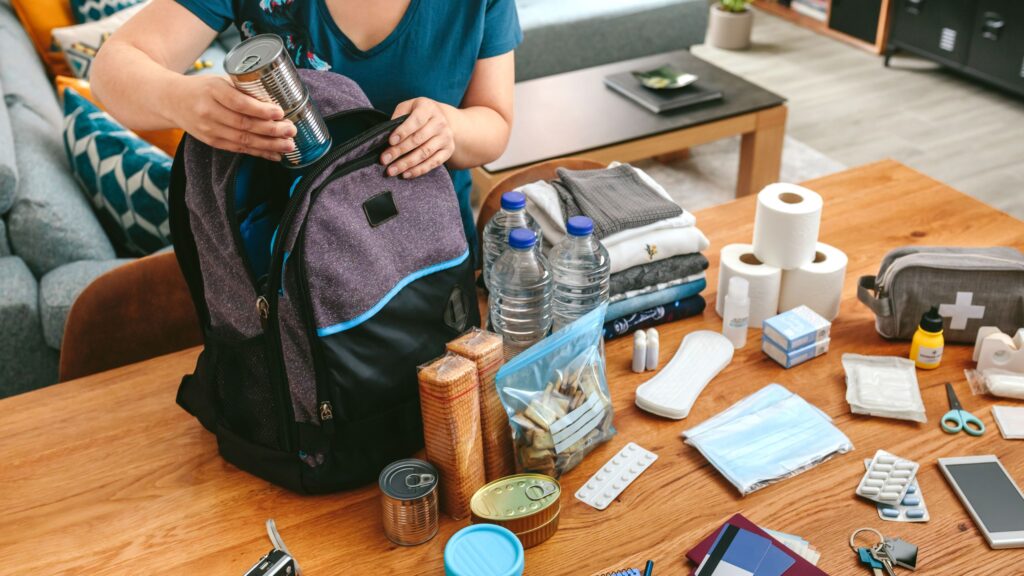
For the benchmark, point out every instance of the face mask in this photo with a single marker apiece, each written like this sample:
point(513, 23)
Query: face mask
point(768, 436)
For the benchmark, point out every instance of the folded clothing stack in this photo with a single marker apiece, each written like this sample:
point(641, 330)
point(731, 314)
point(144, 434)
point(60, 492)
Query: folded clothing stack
point(657, 269)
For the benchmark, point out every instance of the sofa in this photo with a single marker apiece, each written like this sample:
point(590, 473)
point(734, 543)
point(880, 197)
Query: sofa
point(52, 245)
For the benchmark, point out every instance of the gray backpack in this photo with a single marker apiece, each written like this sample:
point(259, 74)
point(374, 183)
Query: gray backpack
point(319, 292)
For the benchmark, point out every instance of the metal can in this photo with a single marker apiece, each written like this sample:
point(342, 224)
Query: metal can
point(261, 67)
point(526, 504)
point(409, 501)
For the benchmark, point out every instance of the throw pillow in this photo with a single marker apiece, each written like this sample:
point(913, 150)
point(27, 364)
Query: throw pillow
point(80, 42)
point(93, 10)
point(166, 140)
point(126, 178)
point(39, 18)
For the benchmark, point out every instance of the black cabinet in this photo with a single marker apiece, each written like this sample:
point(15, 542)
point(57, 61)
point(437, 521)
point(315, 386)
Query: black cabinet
point(858, 18)
point(982, 38)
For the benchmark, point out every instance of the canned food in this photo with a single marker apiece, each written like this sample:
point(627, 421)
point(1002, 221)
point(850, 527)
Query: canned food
point(539, 535)
point(261, 68)
point(521, 502)
point(409, 501)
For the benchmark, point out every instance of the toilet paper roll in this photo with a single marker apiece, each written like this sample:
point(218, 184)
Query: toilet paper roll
point(786, 225)
point(817, 284)
point(765, 281)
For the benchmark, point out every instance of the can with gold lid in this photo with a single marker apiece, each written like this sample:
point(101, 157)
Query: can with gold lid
point(521, 503)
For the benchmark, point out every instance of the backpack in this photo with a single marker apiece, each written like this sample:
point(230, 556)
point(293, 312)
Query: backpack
point(319, 292)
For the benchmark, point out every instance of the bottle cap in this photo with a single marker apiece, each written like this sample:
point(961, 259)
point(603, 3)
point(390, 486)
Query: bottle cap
point(738, 287)
point(931, 321)
point(513, 200)
point(484, 550)
point(522, 238)
point(580, 226)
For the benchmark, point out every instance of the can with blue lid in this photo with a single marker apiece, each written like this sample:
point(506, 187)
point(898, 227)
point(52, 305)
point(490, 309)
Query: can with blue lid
point(484, 550)
point(409, 501)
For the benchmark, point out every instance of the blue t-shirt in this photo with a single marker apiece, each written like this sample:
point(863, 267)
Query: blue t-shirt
point(431, 53)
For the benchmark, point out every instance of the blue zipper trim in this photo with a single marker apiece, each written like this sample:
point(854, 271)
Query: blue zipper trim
point(349, 324)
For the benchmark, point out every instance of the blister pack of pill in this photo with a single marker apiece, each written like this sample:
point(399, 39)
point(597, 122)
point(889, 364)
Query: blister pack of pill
point(887, 479)
point(608, 482)
point(911, 509)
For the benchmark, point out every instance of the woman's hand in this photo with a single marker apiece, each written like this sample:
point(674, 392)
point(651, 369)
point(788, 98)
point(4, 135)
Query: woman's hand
point(211, 109)
point(423, 142)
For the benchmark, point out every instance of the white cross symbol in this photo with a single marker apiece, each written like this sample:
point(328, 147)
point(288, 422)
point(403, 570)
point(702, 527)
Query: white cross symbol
point(962, 311)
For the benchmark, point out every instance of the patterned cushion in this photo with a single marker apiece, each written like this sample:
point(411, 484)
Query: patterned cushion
point(126, 178)
point(81, 41)
point(93, 10)
point(166, 140)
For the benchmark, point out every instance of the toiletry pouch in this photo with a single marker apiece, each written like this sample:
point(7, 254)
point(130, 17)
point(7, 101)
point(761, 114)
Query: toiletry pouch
point(971, 287)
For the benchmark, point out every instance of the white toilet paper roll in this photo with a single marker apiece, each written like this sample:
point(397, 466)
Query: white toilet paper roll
point(765, 281)
point(817, 284)
point(786, 225)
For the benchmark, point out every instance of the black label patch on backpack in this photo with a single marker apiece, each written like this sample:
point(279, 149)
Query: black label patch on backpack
point(380, 208)
point(456, 312)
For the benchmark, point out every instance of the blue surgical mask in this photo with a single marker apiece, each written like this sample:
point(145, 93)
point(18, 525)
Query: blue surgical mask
point(768, 436)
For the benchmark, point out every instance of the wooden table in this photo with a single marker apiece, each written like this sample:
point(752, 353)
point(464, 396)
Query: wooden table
point(105, 475)
point(575, 114)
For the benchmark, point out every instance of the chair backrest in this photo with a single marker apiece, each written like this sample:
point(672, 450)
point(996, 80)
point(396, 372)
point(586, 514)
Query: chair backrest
point(132, 313)
point(542, 171)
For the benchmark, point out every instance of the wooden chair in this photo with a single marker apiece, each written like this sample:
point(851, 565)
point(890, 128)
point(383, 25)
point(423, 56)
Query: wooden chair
point(134, 312)
point(542, 171)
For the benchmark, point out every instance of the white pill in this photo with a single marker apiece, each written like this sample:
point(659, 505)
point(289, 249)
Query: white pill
point(878, 475)
point(616, 485)
point(883, 459)
point(889, 496)
point(904, 465)
point(901, 474)
point(882, 467)
point(873, 482)
point(869, 490)
point(631, 447)
point(599, 477)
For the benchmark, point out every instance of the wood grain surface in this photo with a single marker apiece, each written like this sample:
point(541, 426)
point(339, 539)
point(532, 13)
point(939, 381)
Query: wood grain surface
point(105, 475)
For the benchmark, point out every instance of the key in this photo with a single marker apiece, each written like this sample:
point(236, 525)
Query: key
point(879, 553)
point(903, 553)
point(865, 557)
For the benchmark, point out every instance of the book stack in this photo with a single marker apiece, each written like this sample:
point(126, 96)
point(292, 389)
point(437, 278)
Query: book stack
point(817, 9)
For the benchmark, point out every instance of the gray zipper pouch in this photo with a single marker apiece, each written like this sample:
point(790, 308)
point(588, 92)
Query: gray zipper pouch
point(972, 287)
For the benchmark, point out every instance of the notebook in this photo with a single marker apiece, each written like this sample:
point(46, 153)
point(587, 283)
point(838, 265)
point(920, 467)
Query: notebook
point(659, 101)
point(800, 567)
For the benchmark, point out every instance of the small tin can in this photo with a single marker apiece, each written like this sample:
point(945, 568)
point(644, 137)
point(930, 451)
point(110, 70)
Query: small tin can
point(409, 501)
point(261, 67)
point(526, 504)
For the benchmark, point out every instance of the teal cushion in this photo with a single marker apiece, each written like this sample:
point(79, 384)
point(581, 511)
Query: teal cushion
point(92, 10)
point(126, 177)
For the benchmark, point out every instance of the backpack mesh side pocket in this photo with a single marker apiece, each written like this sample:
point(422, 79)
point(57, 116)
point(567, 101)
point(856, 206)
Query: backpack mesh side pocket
point(249, 405)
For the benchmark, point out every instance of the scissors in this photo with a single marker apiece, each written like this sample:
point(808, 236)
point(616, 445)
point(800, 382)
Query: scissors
point(960, 418)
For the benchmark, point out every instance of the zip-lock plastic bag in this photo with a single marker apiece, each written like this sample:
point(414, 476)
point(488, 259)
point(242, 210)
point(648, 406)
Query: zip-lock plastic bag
point(996, 382)
point(556, 397)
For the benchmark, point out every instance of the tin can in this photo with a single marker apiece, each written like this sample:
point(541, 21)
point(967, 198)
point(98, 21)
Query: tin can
point(261, 67)
point(409, 501)
point(526, 504)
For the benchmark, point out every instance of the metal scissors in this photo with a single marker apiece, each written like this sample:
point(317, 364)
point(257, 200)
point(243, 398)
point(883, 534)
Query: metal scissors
point(960, 418)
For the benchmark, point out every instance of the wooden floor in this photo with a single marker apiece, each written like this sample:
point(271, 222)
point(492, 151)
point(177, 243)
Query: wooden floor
point(844, 103)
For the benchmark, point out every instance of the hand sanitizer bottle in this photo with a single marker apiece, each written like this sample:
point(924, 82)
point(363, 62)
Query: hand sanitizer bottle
point(737, 312)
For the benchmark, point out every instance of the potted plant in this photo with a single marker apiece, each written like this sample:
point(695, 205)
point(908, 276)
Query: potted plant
point(729, 24)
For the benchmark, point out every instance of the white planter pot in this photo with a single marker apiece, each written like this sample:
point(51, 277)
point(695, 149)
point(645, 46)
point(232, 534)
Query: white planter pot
point(729, 30)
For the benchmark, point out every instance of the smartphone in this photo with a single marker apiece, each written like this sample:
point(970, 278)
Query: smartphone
point(995, 503)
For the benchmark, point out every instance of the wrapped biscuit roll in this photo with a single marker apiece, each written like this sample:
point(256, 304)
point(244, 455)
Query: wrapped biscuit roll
point(450, 403)
point(484, 348)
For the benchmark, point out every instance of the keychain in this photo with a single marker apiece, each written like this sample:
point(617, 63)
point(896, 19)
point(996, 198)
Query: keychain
point(884, 555)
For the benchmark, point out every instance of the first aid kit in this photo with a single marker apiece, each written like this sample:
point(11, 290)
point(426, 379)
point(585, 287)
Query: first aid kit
point(607, 483)
point(972, 287)
point(887, 478)
point(672, 392)
point(884, 386)
point(300, 379)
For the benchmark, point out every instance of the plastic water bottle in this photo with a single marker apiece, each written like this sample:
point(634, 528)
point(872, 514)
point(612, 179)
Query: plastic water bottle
point(512, 215)
point(520, 301)
point(736, 312)
point(581, 270)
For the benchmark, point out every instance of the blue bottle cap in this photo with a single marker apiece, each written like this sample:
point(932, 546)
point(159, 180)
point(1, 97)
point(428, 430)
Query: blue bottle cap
point(522, 238)
point(513, 200)
point(580, 226)
point(484, 550)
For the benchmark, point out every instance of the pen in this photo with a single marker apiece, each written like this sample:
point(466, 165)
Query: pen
point(649, 569)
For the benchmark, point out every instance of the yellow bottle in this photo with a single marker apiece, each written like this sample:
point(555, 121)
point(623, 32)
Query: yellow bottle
point(926, 348)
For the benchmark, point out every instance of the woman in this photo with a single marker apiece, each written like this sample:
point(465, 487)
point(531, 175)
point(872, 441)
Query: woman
point(448, 65)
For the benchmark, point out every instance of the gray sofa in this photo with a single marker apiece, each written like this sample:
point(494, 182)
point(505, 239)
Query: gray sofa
point(51, 243)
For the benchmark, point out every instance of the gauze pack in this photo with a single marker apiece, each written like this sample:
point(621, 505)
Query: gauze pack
point(768, 436)
point(672, 392)
point(884, 386)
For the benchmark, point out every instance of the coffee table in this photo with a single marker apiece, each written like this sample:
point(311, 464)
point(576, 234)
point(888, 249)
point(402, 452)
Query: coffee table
point(575, 114)
point(106, 475)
